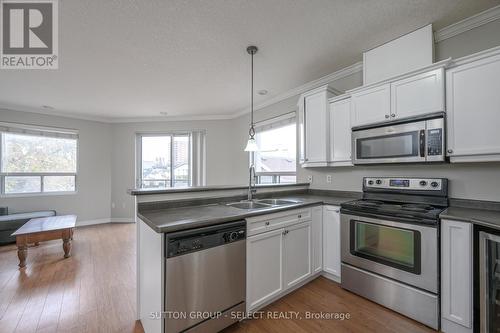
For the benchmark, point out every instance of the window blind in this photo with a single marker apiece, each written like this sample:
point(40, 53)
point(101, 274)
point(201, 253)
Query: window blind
point(53, 132)
point(275, 122)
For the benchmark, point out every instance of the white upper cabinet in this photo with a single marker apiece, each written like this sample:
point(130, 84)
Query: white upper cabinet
point(371, 105)
point(340, 132)
point(419, 94)
point(473, 108)
point(314, 126)
point(413, 94)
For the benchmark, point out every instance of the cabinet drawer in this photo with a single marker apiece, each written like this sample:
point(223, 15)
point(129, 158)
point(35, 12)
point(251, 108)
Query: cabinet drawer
point(263, 223)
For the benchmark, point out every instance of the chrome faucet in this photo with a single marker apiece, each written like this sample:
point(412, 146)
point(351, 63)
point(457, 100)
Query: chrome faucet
point(251, 183)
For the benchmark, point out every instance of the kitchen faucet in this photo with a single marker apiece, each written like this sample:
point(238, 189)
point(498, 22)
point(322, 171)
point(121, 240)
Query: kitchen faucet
point(251, 187)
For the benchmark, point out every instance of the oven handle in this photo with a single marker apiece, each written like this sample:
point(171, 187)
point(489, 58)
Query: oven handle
point(346, 218)
point(422, 143)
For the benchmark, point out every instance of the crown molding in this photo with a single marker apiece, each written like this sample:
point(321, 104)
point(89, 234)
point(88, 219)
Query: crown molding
point(344, 72)
point(467, 24)
point(207, 117)
point(55, 113)
point(452, 30)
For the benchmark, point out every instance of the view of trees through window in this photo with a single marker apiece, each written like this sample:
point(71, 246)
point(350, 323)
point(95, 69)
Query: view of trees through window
point(35, 164)
point(164, 161)
point(275, 162)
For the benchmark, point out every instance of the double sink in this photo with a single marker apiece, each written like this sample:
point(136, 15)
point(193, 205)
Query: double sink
point(262, 203)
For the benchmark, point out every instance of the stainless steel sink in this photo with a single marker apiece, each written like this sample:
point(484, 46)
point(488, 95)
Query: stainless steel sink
point(248, 205)
point(262, 203)
point(278, 202)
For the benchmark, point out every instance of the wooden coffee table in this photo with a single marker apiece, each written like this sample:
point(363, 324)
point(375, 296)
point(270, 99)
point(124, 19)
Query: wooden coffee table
point(44, 229)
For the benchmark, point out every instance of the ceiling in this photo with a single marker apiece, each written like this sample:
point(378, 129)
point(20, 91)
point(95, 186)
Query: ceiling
point(138, 58)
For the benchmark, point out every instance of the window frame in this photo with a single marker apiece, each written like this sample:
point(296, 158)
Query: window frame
point(138, 144)
point(268, 125)
point(3, 175)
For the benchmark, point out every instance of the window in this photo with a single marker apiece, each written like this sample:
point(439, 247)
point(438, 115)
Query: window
point(275, 162)
point(167, 160)
point(34, 160)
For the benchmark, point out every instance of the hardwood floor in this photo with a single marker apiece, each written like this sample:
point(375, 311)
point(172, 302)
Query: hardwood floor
point(325, 296)
point(94, 291)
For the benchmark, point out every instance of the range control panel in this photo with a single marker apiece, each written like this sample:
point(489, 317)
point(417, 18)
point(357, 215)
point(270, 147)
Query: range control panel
point(427, 184)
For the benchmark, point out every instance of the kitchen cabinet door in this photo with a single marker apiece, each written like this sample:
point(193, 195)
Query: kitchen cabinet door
point(456, 274)
point(473, 109)
point(418, 95)
point(264, 267)
point(297, 253)
point(317, 239)
point(371, 105)
point(340, 133)
point(331, 240)
point(315, 110)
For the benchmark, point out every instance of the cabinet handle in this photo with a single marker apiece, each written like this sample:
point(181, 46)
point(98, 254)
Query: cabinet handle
point(386, 116)
point(267, 223)
point(337, 211)
point(450, 151)
point(393, 115)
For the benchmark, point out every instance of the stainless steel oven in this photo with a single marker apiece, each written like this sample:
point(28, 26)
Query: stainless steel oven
point(402, 251)
point(418, 140)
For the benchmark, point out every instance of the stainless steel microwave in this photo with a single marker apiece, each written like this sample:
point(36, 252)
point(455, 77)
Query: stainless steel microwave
point(419, 140)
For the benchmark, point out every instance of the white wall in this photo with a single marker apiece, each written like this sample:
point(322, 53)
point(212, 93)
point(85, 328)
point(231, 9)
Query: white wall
point(91, 202)
point(107, 152)
point(473, 181)
point(220, 144)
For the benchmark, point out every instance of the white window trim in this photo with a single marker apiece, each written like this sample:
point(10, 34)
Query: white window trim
point(200, 174)
point(267, 124)
point(53, 132)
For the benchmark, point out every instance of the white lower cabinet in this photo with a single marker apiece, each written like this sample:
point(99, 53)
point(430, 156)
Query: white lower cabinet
point(264, 267)
point(317, 239)
point(456, 276)
point(279, 260)
point(331, 241)
point(297, 253)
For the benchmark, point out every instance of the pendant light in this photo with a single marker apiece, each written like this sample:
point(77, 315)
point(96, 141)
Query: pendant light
point(251, 144)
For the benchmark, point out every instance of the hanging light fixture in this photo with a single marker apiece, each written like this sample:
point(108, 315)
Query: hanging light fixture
point(251, 144)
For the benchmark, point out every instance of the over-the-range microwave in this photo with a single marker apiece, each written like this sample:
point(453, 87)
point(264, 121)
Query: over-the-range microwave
point(407, 141)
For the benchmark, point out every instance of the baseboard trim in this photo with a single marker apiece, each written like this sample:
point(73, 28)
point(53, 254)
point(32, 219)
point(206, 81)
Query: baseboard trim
point(331, 277)
point(105, 220)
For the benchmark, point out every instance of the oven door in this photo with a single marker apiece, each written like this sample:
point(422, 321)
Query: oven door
point(401, 251)
point(390, 144)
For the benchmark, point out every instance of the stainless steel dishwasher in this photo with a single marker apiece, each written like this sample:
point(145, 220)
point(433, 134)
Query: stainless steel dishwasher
point(205, 277)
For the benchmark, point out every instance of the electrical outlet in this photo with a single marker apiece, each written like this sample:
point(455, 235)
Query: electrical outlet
point(310, 178)
point(113, 205)
point(328, 178)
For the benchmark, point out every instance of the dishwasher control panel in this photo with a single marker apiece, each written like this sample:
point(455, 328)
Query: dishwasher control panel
point(184, 242)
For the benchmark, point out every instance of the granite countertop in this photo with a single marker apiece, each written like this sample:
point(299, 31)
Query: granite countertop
point(181, 218)
point(486, 217)
point(145, 191)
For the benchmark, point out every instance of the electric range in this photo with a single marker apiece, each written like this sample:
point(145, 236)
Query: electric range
point(390, 244)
